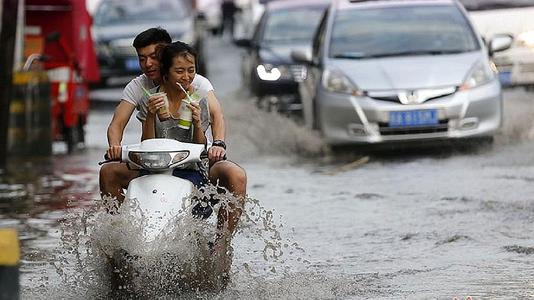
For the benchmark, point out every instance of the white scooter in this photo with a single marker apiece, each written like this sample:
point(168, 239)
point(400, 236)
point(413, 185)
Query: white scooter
point(156, 203)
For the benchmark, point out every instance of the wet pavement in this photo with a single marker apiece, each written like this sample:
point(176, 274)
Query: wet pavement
point(438, 222)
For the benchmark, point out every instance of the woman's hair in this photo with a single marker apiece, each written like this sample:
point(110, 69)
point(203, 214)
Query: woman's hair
point(167, 52)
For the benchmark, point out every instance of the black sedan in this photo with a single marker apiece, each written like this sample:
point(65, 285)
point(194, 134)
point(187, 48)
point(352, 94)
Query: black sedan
point(267, 68)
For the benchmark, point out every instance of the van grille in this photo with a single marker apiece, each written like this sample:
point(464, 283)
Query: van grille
point(298, 72)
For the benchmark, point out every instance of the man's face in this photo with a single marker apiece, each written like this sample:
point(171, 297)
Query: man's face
point(149, 62)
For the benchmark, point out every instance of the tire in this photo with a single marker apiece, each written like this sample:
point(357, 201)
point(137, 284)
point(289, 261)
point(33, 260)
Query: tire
point(70, 134)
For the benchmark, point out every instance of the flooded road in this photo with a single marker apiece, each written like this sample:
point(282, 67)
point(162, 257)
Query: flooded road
point(417, 224)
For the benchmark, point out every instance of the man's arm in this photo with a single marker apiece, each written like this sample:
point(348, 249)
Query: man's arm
point(120, 119)
point(216, 153)
point(217, 118)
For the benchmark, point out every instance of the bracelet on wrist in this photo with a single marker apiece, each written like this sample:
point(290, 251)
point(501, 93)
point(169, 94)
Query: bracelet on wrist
point(219, 143)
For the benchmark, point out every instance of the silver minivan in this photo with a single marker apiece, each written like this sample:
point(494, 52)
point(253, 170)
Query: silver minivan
point(400, 70)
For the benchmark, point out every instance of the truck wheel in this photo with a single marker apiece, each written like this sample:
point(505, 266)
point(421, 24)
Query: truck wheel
point(81, 130)
point(71, 139)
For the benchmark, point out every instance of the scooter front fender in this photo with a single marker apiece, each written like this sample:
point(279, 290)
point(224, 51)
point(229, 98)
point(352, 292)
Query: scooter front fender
point(157, 199)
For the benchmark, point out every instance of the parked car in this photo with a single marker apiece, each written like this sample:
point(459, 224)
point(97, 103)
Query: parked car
point(116, 23)
point(516, 65)
point(267, 68)
point(400, 70)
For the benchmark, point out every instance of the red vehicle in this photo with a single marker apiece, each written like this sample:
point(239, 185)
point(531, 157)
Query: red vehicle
point(61, 29)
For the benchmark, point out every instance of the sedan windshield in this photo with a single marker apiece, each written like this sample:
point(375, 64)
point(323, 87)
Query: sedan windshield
point(293, 25)
point(138, 11)
point(401, 31)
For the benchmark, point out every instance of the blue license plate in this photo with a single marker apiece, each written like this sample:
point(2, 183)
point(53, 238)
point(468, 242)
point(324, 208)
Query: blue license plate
point(132, 64)
point(413, 118)
point(505, 78)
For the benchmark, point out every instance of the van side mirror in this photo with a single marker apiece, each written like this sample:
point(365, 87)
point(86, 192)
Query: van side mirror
point(301, 57)
point(244, 43)
point(499, 42)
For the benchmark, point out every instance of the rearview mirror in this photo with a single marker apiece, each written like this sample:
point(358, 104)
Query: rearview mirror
point(500, 42)
point(301, 57)
point(245, 43)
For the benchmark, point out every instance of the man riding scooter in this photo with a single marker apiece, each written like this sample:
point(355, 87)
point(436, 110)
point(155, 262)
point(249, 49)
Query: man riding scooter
point(114, 177)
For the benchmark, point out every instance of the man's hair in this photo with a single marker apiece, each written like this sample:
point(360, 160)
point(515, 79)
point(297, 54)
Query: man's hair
point(167, 52)
point(151, 36)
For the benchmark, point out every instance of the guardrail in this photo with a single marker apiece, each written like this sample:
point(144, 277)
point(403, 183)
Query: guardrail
point(30, 131)
point(9, 264)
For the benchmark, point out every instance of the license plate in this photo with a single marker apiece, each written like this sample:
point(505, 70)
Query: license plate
point(132, 64)
point(505, 78)
point(413, 118)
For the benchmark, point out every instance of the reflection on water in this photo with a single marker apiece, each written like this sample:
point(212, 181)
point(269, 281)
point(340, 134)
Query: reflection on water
point(431, 226)
point(70, 244)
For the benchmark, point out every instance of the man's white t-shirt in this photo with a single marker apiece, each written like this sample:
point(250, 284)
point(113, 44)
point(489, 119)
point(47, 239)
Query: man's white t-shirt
point(134, 94)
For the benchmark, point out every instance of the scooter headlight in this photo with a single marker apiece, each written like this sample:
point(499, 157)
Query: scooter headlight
point(179, 156)
point(151, 160)
point(157, 160)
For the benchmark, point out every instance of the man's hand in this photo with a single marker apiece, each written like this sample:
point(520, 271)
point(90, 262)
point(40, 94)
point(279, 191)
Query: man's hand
point(114, 152)
point(216, 153)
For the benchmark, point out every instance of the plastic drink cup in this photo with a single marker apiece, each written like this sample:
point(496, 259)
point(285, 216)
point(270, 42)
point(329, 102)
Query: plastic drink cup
point(186, 115)
point(165, 108)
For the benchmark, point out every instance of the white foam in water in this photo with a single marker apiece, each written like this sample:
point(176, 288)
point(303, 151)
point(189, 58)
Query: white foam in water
point(102, 255)
point(518, 123)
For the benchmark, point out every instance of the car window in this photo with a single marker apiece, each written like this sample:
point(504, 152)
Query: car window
point(292, 25)
point(401, 30)
point(318, 39)
point(137, 11)
point(495, 4)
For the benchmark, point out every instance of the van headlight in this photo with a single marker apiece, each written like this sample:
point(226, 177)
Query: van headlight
point(526, 39)
point(269, 72)
point(157, 160)
point(479, 75)
point(335, 81)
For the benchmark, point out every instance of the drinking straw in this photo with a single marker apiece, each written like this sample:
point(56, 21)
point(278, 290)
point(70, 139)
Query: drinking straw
point(186, 93)
point(146, 92)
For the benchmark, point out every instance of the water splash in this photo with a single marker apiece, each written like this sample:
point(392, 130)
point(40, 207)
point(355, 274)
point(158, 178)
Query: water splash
point(518, 123)
point(102, 254)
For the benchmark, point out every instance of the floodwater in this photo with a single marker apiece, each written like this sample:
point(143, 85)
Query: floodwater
point(414, 223)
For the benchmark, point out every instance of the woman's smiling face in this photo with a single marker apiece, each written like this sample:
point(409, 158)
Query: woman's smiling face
point(182, 70)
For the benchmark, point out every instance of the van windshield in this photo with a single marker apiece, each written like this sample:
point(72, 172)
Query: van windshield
point(138, 11)
point(401, 31)
point(292, 25)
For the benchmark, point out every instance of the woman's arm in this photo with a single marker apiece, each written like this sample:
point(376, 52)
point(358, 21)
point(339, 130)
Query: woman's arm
point(148, 126)
point(198, 133)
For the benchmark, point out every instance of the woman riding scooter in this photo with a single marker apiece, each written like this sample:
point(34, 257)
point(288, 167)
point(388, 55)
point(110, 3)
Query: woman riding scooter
point(177, 68)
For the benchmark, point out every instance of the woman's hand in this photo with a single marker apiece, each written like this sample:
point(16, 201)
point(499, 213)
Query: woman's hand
point(155, 102)
point(195, 110)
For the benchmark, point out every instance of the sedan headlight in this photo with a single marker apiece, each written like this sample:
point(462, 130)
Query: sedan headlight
point(479, 75)
point(526, 39)
point(269, 72)
point(157, 160)
point(335, 81)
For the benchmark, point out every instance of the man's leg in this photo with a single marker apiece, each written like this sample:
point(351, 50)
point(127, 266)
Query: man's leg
point(114, 177)
point(232, 177)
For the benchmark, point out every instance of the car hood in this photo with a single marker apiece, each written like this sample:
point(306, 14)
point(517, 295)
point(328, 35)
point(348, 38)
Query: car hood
point(281, 54)
point(393, 73)
point(125, 31)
